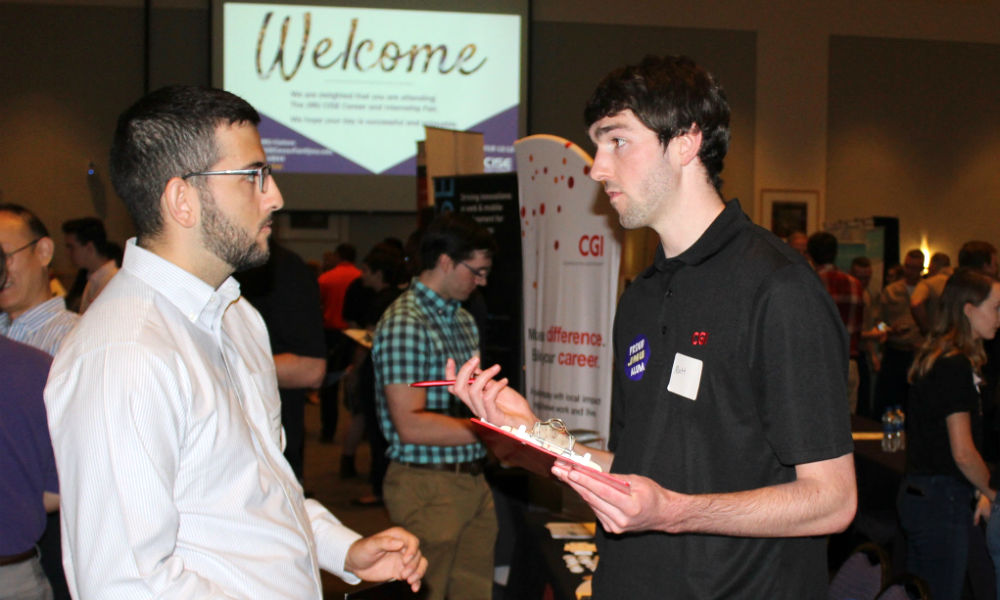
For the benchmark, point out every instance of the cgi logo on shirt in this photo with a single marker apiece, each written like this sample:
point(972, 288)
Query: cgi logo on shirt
point(637, 357)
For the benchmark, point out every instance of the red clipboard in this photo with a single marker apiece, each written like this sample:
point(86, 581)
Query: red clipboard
point(511, 449)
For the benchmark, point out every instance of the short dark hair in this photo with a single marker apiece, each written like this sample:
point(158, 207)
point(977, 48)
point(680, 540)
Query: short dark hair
point(30, 219)
point(915, 253)
point(346, 252)
point(861, 261)
point(822, 247)
point(455, 235)
point(168, 133)
point(385, 259)
point(669, 95)
point(976, 254)
point(89, 230)
point(940, 259)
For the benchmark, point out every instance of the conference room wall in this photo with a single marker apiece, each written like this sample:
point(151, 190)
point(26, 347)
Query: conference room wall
point(68, 70)
point(915, 133)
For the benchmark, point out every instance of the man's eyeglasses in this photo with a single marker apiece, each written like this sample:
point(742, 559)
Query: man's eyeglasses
point(262, 174)
point(8, 256)
point(480, 273)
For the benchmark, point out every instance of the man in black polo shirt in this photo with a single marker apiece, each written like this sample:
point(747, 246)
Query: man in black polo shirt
point(728, 412)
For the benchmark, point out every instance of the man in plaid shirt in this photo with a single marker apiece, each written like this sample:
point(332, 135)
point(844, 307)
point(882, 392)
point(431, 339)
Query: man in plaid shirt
point(848, 295)
point(434, 484)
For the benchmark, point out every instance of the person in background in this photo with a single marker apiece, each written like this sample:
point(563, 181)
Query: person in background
point(939, 263)
point(88, 249)
point(333, 285)
point(893, 273)
point(799, 241)
point(381, 270)
point(872, 334)
point(848, 294)
point(434, 484)
point(729, 415)
point(163, 403)
point(31, 314)
point(982, 256)
point(28, 484)
point(891, 388)
point(946, 488)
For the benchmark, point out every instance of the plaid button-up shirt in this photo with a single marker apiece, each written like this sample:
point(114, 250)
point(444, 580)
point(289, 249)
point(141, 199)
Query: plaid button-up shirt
point(848, 295)
point(413, 339)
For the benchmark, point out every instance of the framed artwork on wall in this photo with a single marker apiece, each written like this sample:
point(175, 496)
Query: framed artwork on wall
point(786, 211)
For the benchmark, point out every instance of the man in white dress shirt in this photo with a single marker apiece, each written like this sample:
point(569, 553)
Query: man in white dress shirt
point(163, 405)
point(88, 248)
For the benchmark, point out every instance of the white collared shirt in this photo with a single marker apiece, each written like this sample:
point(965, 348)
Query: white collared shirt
point(165, 420)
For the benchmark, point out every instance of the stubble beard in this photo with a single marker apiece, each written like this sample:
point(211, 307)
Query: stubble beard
point(640, 211)
point(231, 243)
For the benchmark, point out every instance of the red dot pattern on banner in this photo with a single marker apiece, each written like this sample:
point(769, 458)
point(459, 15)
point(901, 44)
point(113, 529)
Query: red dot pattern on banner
point(558, 178)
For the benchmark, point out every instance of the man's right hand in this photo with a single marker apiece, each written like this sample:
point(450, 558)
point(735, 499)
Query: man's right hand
point(489, 400)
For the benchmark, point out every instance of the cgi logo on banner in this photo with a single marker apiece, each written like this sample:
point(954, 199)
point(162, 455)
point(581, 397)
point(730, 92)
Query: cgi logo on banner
point(591, 245)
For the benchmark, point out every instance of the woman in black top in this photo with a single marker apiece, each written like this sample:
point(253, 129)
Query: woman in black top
point(946, 488)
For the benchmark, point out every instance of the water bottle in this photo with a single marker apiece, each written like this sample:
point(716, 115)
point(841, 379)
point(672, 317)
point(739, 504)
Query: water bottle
point(896, 429)
point(886, 431)
point(901, 417)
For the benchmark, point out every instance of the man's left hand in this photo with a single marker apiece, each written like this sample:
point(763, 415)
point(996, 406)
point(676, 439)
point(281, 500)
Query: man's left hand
point(390, 554)
point(647, 506)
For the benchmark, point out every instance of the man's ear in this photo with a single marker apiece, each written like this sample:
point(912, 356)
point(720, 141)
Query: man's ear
point(181, 202)
point(45, 249)
point(689, 144)
point(445, 263)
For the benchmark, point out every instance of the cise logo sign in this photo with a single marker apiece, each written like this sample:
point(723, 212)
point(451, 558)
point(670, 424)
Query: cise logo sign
point(591, 245)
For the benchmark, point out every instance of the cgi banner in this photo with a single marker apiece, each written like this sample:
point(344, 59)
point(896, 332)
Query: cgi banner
point(572, 251)
point(349, 90)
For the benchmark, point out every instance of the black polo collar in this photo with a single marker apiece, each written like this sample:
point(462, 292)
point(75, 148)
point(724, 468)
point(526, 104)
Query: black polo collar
point(726, 226)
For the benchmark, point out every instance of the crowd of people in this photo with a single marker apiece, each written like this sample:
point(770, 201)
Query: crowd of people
point(926, 339)
point(171, 437)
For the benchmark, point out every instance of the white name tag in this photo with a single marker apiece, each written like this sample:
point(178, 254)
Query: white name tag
point(685, 376)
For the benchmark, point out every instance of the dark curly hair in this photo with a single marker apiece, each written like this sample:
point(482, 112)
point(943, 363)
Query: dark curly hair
point(669, 95)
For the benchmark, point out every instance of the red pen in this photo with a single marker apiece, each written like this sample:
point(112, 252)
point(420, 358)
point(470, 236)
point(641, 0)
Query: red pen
point(435, 383)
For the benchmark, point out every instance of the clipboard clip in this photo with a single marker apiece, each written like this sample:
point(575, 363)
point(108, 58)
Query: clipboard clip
point(554, 434)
